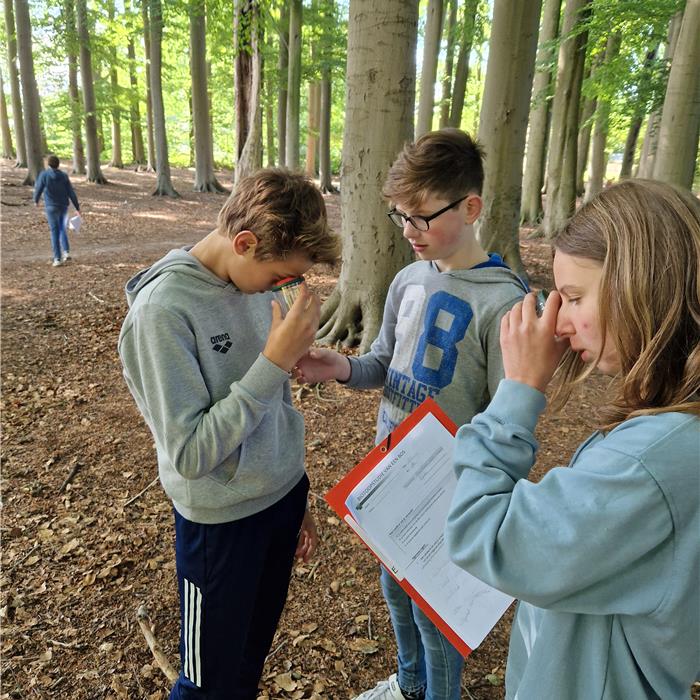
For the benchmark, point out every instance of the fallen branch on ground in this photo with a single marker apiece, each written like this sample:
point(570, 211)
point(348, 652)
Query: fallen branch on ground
point(141, 492)
point(160, 658)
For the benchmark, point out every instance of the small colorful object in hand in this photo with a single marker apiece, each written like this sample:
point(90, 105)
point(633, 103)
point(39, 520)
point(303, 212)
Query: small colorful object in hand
point(286, 291)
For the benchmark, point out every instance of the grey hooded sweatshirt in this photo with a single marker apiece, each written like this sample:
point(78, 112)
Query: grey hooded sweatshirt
point(439, 338)
point(228, 440)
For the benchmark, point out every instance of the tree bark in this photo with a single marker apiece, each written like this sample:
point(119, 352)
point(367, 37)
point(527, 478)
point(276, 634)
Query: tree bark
point(599, 158)
point(380, 94)
point(248, 84)
point(645, 167)
point(7, 150)
point(583, 145)
point(450, 30)
point(151, 160)
point(15, 94)
point(270, 126)
point(540, 116)
point(137, 150)
point(431, 49)
point(459, 88)
point(73, 93)
point(204, 178)
point(293, 85)
point(325, 175)
point(314, 112)
point(282, 77)
point(116, 161)
point(561, 164)
point(164, 185)
point(32, 127)
point(680, 118)
point(94, 171)
point(503, 124)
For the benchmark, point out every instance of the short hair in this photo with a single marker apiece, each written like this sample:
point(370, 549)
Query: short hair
point(285, 211)
point(53, 161)
point(447, 163)
point(646, 237)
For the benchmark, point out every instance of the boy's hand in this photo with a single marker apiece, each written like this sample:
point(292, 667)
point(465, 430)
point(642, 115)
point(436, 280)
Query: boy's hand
point(291, 336)
point(531, 350)
point(320, 365)
point(308, 538)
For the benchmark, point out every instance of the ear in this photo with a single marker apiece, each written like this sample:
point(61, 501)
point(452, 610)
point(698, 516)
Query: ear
point(244, 243)
point(474, 204)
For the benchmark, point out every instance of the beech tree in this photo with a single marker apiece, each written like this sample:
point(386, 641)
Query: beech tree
point(116, 160)
point(71, 39)
point(293, 85)
point(282, 77)
point(15, 94)
point(450, 32)
point(538, 132)
point(503, 124)
point(204, 178)
point(379, 120)
point(7, 150)
point(164, 185)
point(431, 49)
point(30, 96)
point(459, 87)
point(137, 150)
point(94, 171)
point(150, 140)
point(561, 163)
point(680, 117)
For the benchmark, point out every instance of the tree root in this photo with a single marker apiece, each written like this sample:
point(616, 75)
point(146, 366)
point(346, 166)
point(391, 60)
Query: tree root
point(349, 319)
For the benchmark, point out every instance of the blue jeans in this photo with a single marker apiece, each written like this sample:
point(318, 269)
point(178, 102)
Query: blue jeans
point(57, 225)
point(427, 661)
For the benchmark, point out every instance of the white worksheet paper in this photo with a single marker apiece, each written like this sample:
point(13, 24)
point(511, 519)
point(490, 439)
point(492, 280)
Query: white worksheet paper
point(401, 507)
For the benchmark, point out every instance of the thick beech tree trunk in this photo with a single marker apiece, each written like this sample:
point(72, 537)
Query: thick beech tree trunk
point(680, 118)
point(379, 121)
point(503, 124)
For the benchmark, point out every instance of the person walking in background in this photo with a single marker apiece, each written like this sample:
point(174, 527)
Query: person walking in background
point(55, 185)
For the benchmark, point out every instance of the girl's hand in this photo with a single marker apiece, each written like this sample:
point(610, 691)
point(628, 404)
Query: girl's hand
point(531, 350)
point(320, 365)
point(308, 538)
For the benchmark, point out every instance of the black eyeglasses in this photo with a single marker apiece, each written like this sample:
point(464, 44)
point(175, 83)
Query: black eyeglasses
point(420, 223)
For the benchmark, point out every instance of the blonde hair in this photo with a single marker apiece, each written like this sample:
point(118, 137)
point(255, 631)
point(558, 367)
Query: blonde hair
point(646, 237)
point(445, 163)
point(285, 211)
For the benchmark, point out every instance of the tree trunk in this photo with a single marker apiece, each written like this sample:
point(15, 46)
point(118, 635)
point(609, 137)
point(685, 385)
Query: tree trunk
point(379, 121)
point(94, 172)
point(248, 76)
point(325, 175)
point(450, 30)
point(137, 151)
point(503, 124)
point(539, 116)
point(116, 161)
point(282, 77)
point(680, 118)
point(645, 167)
point(459, 88)
point(32, 128)
point(585, 128)
point(15, 95)
point(431, 49)
point(204, 178)
point(151, 161)
point(164, 185)
point(599, 158)
point(314, 110)
point(7, 150)
point(561, 164)
point(270, 126)
point(73, 93)
point(293, 85)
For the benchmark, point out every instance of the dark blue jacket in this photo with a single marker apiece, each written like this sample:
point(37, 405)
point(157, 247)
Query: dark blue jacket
point(56, 188)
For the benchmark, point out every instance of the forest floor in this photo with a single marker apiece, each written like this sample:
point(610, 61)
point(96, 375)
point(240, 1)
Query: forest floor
point(87, 536)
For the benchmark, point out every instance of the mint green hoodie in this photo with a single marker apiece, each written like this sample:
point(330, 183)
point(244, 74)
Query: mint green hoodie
point(229, 442)
point(604, 555)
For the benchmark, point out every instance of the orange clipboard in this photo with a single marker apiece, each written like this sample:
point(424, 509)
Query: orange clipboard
point(338, 495)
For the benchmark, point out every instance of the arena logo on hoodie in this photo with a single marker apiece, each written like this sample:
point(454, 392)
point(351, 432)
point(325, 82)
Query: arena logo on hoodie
point(222, 343)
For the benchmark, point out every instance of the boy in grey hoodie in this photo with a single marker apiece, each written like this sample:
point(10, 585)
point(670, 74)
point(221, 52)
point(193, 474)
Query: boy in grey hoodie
point(439, 338)
point(207, 356)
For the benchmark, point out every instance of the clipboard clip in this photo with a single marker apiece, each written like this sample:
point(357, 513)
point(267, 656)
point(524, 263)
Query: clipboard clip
point(387, 447)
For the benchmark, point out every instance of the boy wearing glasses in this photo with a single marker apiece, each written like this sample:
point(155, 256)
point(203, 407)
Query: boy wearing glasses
point(439, 338)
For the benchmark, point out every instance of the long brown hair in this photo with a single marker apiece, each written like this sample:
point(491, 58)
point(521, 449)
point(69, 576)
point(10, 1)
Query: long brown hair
point(646, 237)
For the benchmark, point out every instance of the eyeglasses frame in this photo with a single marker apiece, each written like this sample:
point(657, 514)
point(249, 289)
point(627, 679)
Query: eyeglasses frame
point(427, 219)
